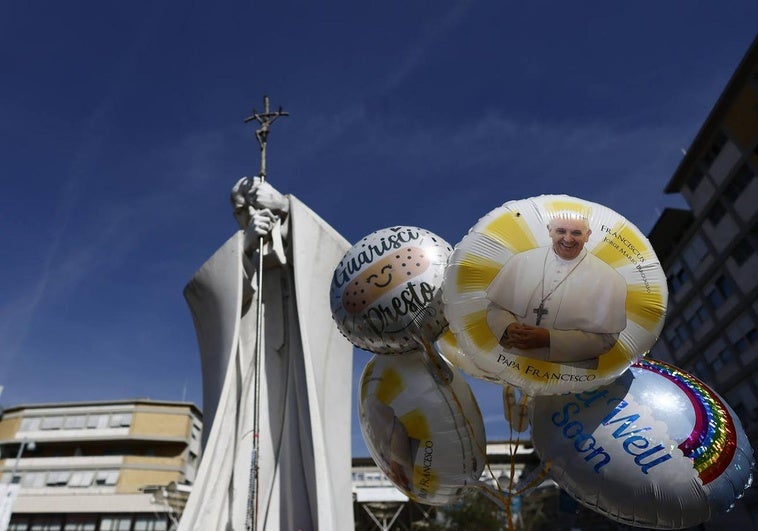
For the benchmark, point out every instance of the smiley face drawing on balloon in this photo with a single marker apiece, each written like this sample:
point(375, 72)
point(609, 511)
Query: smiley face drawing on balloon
point(378, 279)
point(386, 271)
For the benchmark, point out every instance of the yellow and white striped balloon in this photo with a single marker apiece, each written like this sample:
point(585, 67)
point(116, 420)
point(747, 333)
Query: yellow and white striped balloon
point(519, 226)
point(422, 425)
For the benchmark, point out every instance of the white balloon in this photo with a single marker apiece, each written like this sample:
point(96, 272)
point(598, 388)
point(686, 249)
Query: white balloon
point(386, 292)
point(594, 337)
point(422, 426)
point(655, 448)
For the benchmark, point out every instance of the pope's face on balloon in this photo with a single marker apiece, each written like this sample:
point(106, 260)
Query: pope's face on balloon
point(569, 236)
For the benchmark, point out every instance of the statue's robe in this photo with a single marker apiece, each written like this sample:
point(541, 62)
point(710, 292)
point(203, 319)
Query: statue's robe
point(304, 457)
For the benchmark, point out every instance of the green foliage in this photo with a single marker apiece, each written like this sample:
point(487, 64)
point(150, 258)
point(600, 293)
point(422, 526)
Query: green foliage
point(475, 512)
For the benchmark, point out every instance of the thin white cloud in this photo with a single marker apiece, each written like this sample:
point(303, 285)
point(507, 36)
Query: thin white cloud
point(324, 130)
point(61, 269)
point(435, 30)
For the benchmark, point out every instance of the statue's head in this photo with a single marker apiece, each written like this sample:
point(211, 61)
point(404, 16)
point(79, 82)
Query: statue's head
point(243, 210)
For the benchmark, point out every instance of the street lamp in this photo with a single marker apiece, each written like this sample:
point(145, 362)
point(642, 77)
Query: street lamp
point(25, 443)
point(9, 492)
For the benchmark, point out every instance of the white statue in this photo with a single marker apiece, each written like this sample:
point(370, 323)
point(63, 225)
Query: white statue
point(305, 369)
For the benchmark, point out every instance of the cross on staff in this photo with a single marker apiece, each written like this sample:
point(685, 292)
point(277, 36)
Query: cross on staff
point(266, 118)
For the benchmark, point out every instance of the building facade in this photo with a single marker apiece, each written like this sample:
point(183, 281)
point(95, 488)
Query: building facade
point(709, 255)
point(86, 466)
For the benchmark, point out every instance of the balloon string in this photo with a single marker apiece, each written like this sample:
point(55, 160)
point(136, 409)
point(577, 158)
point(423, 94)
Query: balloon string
point(494, 495)
point(513, 444)
point(501, 499)
point(536, 479)
point(503, 502)
point(443, 376)
point(520, 429)
point(514, 452)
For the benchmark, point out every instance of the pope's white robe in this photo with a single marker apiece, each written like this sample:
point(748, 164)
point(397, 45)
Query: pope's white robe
point(586, 311)
point(305, 396)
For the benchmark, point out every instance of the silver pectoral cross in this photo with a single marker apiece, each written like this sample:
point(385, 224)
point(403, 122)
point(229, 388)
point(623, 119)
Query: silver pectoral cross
point(540, 311)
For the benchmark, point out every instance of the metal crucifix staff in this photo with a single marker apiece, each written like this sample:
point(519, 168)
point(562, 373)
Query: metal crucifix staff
point(265, 119)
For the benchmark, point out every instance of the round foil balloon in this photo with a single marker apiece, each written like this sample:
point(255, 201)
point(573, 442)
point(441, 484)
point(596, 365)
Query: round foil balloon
point(386, 291)
point(656, 448)
point(426, 435)
point(553, 294)
point(447, 345)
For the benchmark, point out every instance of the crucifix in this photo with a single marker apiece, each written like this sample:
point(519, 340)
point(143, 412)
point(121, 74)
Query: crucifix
point(540, 311)
point(266, 118)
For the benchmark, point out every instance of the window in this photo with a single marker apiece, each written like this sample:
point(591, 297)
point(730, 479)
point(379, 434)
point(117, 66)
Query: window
point(150, 523)
point(46, 523)
point(106, 477)
point(80, 523)
point(97, 421)
point(695, 314)
point(33, 480)
point(715, 298)
point(119, 420)
point(115, 523)
point(30, 424)
point(74, 422)
point(695, 252)
point(677, 278)
point(726, 355)
point(717, 213)
point(715, 149)
point(82, 478)
point(673, 339)
point(51, 423)
point(742, 333)
point(723, 288)
point(742, 251)
point(718, 354)
point(682, 332)
point(18, 524)
point(739, 182)
point(695, 179)
point(57, 479)
point(702, 371)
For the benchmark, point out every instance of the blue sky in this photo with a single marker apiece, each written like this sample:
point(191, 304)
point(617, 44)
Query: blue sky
point(121, 136)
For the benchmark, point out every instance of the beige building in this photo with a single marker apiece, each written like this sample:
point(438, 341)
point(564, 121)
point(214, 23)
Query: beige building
point(122, 465)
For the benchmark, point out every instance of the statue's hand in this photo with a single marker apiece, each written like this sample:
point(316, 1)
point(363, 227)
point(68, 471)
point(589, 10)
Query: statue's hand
point(263, 221)
point(262, 195)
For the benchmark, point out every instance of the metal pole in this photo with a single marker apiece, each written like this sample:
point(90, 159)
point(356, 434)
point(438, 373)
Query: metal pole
point(17, 461)
point(265, 119)
point(13, 484)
